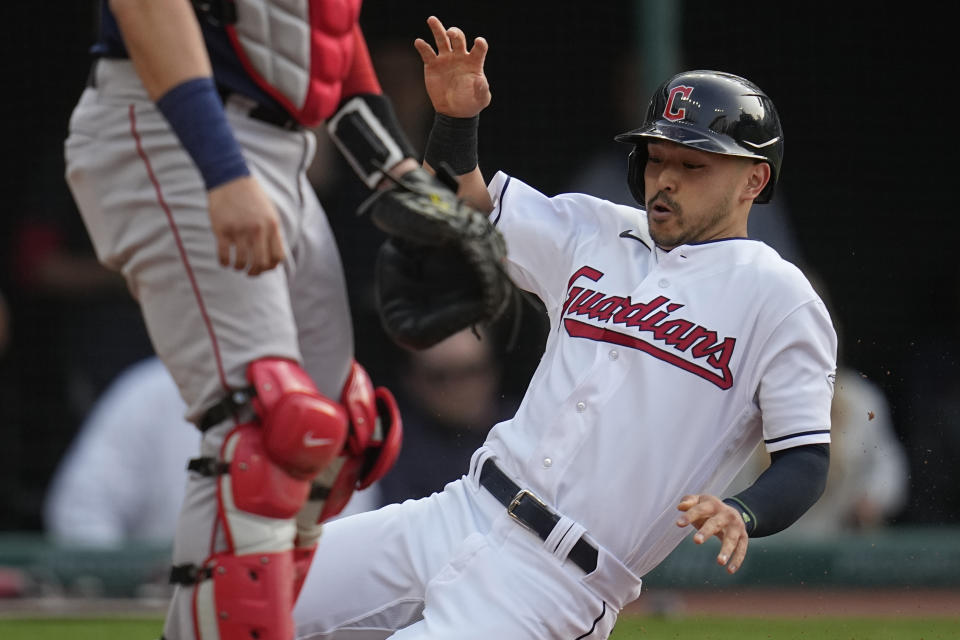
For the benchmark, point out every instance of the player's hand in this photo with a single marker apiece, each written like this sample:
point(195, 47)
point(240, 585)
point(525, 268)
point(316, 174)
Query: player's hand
point(711, 517)
point(454, 76)
point(246, 225)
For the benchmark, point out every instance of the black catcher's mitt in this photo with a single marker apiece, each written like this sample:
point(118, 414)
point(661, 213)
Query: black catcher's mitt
point(424, 209)
point(442, 270)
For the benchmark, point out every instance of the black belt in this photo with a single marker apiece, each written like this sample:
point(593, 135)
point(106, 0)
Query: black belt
point(527, 509)
point(264, 113)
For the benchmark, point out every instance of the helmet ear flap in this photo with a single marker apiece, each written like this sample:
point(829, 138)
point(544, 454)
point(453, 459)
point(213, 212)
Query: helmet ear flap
point(636, 163)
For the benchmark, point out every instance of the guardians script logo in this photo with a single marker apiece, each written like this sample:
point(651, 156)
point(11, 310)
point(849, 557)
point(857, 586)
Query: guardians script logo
point(659, 333)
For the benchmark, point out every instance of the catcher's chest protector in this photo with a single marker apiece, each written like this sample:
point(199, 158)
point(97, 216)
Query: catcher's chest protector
point(298, 51)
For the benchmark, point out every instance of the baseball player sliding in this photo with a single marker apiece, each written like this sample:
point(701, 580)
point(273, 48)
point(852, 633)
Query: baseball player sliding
point(676, 344)
point(187, 157)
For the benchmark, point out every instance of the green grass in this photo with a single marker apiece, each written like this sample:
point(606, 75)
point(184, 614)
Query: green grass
point(629, 628)
point(81, 629)
point(705, 628)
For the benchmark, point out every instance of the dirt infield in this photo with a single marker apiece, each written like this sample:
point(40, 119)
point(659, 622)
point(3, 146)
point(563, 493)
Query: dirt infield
point(812, 602)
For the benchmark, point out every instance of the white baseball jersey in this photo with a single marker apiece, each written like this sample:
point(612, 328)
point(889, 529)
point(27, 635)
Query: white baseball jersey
point(661, 373)
point(657, 367)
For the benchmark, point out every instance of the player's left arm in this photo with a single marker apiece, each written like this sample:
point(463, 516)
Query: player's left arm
point(795, 391)
point(791, 484)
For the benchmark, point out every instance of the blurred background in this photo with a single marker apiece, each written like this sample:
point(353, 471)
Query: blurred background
point(863, 206)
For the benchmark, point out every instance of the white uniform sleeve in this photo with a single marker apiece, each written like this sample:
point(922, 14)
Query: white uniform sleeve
point(797, 380)
point(542, 234)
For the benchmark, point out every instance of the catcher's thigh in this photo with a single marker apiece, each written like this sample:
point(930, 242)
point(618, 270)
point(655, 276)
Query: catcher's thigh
point(315, 279)
point(145, 208)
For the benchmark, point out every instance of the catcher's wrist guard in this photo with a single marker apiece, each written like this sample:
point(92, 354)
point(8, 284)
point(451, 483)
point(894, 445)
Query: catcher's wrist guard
point(366, 131)
point(195, 113)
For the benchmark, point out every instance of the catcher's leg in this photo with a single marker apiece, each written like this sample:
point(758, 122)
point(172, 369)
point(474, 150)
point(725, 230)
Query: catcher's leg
point(262, 475)
point(371, 449)
point(207, 323)
point(318, 297)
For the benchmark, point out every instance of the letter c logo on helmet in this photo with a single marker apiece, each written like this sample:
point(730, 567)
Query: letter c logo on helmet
point(671, 111)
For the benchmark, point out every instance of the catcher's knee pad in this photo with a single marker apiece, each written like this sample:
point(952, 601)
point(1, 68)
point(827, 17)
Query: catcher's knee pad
point(303, 431)
point(269, 466)
point(244, 597)
point(373, 442)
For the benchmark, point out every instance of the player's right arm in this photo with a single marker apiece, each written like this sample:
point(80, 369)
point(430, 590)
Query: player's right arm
point(164, 42)
point(459, 90)
point(167, 50)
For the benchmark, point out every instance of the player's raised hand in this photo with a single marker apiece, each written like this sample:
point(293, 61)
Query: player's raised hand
point(246, 225)
point(453, 75)
point(711, 517)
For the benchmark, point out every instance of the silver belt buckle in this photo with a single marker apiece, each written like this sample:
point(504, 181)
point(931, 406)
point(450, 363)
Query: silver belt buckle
point(516, 502)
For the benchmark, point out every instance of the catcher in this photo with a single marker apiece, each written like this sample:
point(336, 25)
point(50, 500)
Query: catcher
point(187, 157)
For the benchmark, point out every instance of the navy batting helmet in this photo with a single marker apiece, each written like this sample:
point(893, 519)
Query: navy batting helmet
point(711, 111)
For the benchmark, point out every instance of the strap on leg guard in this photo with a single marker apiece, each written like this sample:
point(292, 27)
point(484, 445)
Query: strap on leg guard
point(246, 590)
point(264, 474)
point(241, 597)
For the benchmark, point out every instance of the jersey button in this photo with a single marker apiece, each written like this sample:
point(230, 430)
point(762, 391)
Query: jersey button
point(581, 407)
point(664, 283)
point(547, 463)
point(613, 354)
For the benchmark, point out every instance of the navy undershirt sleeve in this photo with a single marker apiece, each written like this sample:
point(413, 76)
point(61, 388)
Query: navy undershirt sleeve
point(792, 483)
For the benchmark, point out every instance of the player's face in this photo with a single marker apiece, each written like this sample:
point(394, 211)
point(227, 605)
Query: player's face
point(694, 196)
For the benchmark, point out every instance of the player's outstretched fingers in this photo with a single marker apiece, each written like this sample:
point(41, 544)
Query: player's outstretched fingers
point(427, 54)
point(439, 34)
point(480, 48)
point(711, 517)
point(686, 503)
point(697, 509)
point(458, 40)
point(734, 548)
